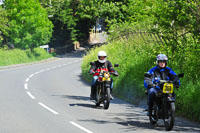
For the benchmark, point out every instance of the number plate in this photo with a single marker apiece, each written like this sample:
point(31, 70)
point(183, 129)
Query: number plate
point(105, 79)
point(168, 88)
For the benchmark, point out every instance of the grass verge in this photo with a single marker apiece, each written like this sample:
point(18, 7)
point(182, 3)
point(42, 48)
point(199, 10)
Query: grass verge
point(17, 56)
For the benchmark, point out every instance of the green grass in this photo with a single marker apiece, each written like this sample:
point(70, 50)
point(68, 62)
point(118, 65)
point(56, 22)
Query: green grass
point(17, 56)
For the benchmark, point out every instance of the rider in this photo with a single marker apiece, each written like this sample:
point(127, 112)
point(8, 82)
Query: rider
point(101, 64)
point(164, 73)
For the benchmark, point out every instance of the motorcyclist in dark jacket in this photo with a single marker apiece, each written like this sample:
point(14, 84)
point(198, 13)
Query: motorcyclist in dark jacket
point(101, 64)
point(164, 73)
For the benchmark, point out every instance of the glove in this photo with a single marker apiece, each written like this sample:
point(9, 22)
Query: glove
point(116, 74)
point(91, 72)
point(151, 85)
point(157, 87)
point(177, 86)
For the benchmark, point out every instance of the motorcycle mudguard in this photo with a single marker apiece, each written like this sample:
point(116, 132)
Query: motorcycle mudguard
point(107, 85)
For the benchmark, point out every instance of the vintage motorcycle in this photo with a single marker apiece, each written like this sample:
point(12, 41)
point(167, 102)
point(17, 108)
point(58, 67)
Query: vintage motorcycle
point(103, 88)
point(164, 105)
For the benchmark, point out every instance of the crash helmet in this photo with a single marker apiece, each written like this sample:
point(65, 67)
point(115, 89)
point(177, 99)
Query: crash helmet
point(161, 57)
point(102, 54)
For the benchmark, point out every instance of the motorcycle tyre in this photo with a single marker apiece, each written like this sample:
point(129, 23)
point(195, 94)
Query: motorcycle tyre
point(106, 101)
point(170, 123)
point(153, 118)
point(97, 98)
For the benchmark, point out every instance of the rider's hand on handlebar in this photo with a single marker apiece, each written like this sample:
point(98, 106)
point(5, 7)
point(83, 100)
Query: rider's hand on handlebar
point(177, 86)
point(151, 85)
point(91, 72)
point(115, 73)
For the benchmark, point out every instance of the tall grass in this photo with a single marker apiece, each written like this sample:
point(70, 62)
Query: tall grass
point(17, 56)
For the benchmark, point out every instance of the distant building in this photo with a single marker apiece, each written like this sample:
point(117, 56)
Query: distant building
point(1, 2)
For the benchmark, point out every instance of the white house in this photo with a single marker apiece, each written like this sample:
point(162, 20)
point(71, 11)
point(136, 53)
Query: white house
point(1, 2)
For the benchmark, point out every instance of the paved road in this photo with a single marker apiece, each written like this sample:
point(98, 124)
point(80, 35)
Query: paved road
point(51, 97)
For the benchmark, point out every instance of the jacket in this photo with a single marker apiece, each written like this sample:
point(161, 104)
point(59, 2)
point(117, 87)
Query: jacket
point(163, 73)
point(97, 67)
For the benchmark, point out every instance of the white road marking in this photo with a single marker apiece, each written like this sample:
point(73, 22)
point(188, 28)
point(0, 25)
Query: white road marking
point(82, 128)
point(27, 79)
point(26, 86)
point(41, 71)
point(53, 67)
point(37, 73)
point(47, 69)
point(49, 109)
point(31, 75)
point(30, 95)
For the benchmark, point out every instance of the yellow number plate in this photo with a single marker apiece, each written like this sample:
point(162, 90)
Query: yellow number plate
point(105, 79)
point(168, 88)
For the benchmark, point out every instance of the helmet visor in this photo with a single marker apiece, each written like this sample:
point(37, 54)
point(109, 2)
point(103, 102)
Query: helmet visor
point(102, 57)
point(162, 61)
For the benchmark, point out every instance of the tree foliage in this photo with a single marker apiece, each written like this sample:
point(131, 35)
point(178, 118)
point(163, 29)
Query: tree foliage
point(29, 23)
point(4, 29)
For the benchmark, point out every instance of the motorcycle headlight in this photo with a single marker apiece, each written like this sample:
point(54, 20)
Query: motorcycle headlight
point(106, 75)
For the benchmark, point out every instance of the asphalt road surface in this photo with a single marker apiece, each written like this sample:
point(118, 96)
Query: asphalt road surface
point(51, 97)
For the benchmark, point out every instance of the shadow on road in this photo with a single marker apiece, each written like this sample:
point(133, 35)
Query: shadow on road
point(81, 98)
point(137, 120)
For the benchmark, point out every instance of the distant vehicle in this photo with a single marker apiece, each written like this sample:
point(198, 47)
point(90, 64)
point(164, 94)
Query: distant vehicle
point(1, 2)
point(98, 28)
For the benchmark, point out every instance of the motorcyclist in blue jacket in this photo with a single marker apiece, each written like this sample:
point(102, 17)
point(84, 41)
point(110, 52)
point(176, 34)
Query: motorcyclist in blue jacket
point(164, 73)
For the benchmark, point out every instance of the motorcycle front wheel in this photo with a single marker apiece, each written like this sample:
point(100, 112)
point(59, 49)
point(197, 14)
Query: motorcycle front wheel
point(98, 95)
point(169, 123)
point(106, 101)
point(154, 117)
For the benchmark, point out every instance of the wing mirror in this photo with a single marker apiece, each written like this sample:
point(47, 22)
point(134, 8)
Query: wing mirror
point(147, 75)
point(181, 75)
point(92, 63)
point(116, 65)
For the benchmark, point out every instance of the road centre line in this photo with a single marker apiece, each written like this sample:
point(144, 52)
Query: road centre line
point(26, 86)
point(37, 73)
point(27, 79)
point(30, 95)
point(49, 109)
point(31, 75)
point(41, 71)
point(82, 128)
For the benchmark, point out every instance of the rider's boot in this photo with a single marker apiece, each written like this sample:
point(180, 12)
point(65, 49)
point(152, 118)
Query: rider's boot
point(111, 97)
point(93, 93)
point(149, 113)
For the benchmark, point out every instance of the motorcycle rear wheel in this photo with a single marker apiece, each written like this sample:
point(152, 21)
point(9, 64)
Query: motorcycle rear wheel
point(169, 123)
point(106, 101)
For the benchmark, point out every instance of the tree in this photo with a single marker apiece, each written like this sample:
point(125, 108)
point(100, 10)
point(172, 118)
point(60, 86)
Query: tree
point(4, 29)
point(29, 23)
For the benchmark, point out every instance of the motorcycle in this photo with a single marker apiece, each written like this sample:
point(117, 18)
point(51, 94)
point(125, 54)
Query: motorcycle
point(164, 105)
point(103, 88)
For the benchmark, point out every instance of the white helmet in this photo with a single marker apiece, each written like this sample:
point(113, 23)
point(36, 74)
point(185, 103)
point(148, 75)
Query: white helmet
point(102, 53)
point(161, 57)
